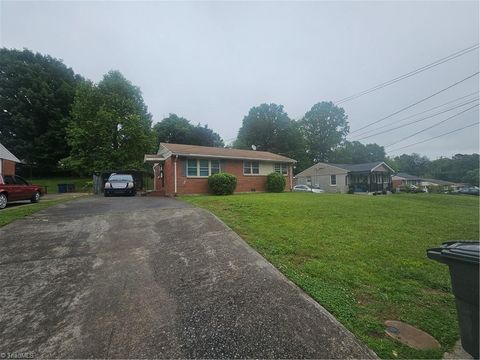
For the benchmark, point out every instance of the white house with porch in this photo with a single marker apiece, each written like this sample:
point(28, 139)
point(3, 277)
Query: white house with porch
point(339, 178)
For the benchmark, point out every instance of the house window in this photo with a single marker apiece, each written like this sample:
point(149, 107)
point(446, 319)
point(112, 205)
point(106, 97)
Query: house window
point(202, 167)
point(192, 167)
point(333, 179)
point(281, 168)
point(250, 167)
point(214, 166)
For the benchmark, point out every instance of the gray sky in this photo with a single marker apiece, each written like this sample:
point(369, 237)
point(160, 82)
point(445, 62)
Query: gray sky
point(212, 61)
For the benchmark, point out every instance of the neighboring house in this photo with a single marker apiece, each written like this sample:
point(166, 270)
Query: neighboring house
point(184, 169)
point(442, 184)
point(368, 177)
point(7, 161)
point(400, 180)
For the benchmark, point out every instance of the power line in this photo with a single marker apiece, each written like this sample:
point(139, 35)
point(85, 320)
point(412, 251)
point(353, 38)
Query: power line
point(432, 126)
point(415, 103)
point(435, 137)
point(409, 74)
point(420, 113)
point(417, 121)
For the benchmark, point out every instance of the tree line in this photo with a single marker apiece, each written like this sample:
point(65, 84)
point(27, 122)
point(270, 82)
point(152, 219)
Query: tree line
point(58, 121)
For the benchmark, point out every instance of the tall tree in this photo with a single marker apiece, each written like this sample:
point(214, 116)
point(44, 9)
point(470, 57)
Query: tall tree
point(204, 136)
point(324, 128)
point(459, 168)
point(175, 129)
point(268, 127)
point(36, 95)
point(111, 127)
point(413, 164)
point(355, 153)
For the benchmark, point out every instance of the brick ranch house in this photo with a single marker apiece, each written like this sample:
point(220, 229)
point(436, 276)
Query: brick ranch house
point(184, 169)
point(7, 161)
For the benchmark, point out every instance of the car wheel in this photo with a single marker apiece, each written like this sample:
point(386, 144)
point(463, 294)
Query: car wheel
point(3, 201)
point(35, 198)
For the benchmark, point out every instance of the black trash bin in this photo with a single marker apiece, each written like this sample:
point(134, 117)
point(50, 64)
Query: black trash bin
point(462, 258)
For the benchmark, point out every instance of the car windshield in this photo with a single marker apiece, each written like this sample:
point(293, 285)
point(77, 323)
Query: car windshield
point(120, 177)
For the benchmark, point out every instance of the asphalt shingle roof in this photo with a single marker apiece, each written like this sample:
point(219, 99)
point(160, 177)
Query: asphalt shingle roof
point(407, 176)
point(358, 167)
point(195, 150)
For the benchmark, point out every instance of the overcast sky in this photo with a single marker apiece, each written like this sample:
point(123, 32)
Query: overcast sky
point(210, 62)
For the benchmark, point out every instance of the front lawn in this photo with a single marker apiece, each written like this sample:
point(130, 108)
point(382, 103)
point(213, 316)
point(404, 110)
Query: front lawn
point(362, 257)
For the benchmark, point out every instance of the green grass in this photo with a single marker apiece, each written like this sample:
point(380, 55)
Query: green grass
point(52, 182)
point(19, 211)
point(362, 257)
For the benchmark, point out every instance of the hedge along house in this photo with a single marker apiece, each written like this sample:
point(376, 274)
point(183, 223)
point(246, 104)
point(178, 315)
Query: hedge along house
point(365, 178)
point(184, 169)
point(7, 161)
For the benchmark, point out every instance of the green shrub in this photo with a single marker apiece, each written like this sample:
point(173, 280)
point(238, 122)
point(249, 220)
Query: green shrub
point(351, 189)
point(222, 183)
point(275, 182)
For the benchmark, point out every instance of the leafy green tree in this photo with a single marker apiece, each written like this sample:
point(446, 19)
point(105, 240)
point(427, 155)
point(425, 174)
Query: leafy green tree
point(355, 153)
point(459, 168)
point(413, 164)
point(203, 136)
point(269, 128)
point(471, 177)
point(111, 127)
point(36, 95)
point(175, 129)
point(324, 128)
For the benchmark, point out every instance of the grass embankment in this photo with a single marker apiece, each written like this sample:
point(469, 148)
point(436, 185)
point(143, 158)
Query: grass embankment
point(361, 257)
point(16, 211)
point(81, 184)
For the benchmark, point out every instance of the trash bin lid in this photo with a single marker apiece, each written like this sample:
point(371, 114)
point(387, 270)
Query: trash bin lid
point(468, 251)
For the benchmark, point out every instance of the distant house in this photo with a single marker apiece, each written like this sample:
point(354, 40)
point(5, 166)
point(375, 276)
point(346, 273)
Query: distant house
point(367, 177)
point(442, 184)
point(400, 180)
point(184, 169)
point(7, 161)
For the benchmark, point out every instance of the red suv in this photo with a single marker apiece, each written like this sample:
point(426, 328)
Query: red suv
point(14, 188)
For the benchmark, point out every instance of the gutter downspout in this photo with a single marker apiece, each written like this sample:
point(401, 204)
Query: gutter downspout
point(155, 177)
point(175, 174)
point(291, 177)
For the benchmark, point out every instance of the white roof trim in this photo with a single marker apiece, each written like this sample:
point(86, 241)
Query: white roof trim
point(382, 163)
point(153, 158)
point(7, 155)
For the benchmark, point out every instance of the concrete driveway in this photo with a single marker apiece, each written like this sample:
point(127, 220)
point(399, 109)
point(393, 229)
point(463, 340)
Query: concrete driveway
point(151, 278)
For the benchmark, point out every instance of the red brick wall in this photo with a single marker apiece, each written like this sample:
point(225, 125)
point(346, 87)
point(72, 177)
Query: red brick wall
point(397, 183)
point(8, 167)
point(186, 185)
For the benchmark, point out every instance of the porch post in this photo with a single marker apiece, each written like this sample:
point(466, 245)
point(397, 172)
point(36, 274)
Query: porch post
point(175, 174)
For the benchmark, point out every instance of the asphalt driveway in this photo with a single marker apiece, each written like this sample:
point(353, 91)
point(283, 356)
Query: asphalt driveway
point(151, 278)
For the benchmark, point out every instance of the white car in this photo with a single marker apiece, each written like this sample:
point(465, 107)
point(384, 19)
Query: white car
point(306, 188)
